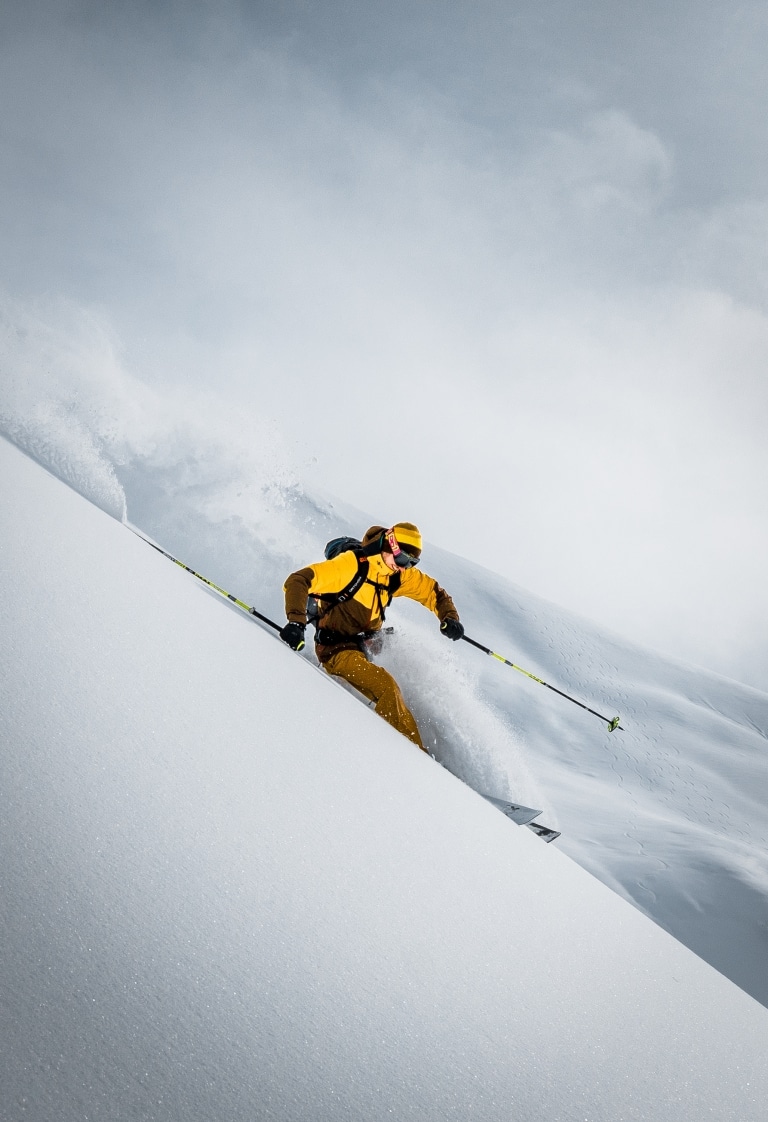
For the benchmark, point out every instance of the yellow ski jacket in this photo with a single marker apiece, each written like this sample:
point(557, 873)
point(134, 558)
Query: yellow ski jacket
point(363, 611)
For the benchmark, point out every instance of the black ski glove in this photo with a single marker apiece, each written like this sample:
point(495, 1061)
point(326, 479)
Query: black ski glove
point(293, 635)
point(452, 629)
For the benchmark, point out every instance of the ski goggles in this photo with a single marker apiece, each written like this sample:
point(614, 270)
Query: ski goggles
point(402, 559)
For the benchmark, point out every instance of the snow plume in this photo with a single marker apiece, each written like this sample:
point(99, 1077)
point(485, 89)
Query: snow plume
point(472, 738)
point(211, 481)
point(53, 403)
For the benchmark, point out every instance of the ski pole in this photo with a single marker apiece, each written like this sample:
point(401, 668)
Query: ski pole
point(612, 723)
point(246, 607)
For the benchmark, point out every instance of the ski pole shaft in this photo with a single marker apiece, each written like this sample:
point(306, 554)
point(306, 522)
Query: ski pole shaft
point(613, 723)
point(222, 591)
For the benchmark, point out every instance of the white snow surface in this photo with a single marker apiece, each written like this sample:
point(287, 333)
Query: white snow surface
point(230, 891)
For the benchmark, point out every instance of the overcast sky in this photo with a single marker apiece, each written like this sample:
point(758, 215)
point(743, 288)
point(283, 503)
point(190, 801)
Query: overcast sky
point(496, 268)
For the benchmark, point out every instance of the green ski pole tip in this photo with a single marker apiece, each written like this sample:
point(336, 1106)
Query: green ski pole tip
point(614, 724)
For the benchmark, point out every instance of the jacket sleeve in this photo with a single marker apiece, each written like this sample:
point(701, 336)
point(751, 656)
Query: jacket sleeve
point(325, 576)
point(417, 585)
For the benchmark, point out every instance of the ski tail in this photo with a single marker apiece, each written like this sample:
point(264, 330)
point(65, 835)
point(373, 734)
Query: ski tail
point(523, 816)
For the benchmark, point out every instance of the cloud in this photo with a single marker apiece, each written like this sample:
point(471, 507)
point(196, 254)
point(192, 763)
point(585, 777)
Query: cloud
point(607, 162)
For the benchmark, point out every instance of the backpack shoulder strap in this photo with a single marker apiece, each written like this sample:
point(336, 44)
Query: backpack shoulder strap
point(349, 590)
point(390, 588)
point(358, 580)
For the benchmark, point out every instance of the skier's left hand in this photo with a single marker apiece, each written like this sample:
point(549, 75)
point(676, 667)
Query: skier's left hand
point(452, 629)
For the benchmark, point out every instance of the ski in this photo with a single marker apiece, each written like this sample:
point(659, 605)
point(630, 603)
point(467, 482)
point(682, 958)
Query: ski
point(524, 816)
point(544, 832)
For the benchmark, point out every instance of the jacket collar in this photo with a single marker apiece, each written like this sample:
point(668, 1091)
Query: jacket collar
point(377, 565)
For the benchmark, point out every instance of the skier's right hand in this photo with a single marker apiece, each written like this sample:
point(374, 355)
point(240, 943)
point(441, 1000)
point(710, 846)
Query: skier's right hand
point(293, 635)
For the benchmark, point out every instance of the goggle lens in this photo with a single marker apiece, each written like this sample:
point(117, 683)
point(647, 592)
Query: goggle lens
point(404, 560)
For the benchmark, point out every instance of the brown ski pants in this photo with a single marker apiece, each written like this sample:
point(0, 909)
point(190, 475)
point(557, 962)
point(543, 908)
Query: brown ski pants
point(378, 685)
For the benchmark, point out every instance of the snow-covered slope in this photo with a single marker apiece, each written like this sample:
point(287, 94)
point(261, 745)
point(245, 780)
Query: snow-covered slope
point(671, 812)
point(230, 891)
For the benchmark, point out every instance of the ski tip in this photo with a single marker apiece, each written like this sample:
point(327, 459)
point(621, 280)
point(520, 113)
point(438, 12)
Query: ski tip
point(544, 832)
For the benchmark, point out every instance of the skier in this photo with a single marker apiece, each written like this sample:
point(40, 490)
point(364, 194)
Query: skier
point(351, 592)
